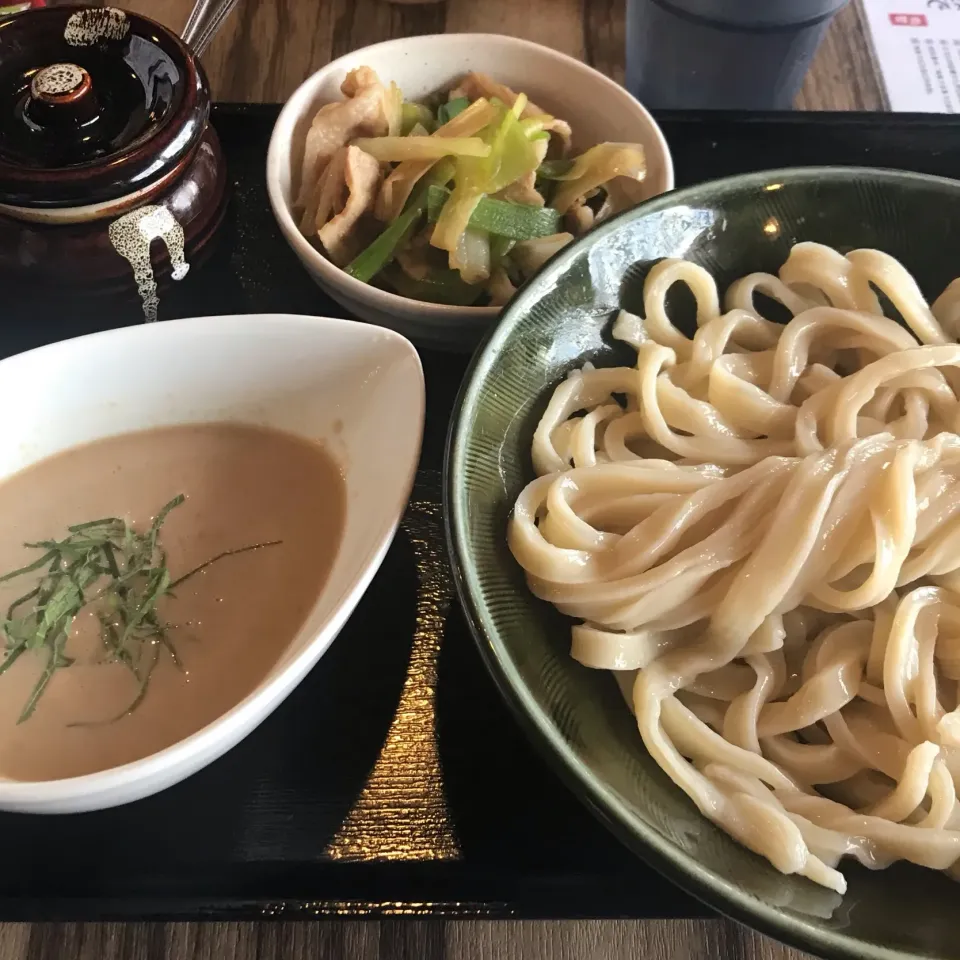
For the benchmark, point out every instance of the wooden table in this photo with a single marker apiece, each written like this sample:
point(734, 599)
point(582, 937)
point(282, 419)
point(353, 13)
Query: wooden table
point(268, 47)
point(265, 50)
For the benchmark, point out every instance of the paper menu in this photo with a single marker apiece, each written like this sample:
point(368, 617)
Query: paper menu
point(917, 44)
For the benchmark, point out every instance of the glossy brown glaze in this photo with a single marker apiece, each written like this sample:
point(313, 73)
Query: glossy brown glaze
point(229, 624)
point(153, 103)
point(102, 113)
point(81, 254)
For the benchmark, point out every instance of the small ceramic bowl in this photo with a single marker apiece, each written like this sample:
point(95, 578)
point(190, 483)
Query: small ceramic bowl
point(597, 109)
point(105, 147)
point(355, 387)
point(561, 319)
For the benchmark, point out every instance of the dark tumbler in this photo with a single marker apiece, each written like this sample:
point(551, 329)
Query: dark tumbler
point(722, 54)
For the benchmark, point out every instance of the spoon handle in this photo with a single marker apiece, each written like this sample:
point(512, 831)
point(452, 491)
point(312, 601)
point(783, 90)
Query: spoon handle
point(206, 18)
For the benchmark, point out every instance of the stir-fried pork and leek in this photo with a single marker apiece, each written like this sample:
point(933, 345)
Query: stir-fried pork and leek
point(452, 201)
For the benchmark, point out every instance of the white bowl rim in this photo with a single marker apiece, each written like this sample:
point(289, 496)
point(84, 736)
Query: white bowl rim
point(384, 299)
point(67, 790)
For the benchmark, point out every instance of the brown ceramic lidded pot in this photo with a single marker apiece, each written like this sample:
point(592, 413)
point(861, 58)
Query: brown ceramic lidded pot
point(111, 177)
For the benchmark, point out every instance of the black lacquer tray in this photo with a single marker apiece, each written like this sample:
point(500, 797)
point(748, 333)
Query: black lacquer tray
point(393, 781)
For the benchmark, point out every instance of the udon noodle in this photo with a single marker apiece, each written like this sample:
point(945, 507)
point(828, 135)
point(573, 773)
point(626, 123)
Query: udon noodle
point(759, 530)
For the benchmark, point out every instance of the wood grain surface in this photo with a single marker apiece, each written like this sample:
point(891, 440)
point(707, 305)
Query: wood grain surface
point(393, 940)
point(264, 51)
point(268, 47)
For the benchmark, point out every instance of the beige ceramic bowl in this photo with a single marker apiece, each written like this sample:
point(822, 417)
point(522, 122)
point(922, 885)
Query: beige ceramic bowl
point(597, 108)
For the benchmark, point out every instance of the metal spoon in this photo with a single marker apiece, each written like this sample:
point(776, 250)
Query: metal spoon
point(206, 18)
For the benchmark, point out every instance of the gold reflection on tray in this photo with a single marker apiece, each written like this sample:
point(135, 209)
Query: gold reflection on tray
point(401, 814)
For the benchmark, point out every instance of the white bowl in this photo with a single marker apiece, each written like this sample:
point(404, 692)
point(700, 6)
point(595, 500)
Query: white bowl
point(357, 387)
point(597, 108)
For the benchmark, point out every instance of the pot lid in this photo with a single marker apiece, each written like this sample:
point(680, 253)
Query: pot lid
point(95, 104)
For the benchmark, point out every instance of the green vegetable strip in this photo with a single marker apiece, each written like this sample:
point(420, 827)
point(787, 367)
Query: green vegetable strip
point(554, 169)
point(413, 113)
point(442, 286)
point(372, 260)
point(500, 246)
point(451, 109)
point(471, 182)
point(376, 256)
point(513, 155)
point(516, 221)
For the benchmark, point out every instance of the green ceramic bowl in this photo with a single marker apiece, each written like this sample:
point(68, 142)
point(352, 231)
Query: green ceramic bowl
point(561, 318)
